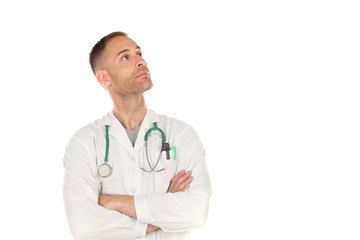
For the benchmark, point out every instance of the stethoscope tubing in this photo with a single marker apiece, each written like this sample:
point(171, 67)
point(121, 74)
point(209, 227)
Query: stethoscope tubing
point(147, 159)
point(107, 143)
point(155, 128)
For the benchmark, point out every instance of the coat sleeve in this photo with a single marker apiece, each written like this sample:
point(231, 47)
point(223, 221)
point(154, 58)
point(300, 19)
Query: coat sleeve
point(87, 219)
point(176, 212)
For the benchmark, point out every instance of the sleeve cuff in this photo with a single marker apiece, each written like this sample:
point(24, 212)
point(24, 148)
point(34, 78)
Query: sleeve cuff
point(140, 229)
point(141, 208)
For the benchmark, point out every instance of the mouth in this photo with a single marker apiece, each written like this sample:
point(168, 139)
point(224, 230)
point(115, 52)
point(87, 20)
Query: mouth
point(142, 74)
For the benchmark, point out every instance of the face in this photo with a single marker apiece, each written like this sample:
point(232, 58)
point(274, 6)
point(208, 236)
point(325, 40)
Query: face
point(125, 68)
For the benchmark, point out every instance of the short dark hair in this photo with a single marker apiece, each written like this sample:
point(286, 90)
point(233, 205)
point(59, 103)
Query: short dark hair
point(99, 47)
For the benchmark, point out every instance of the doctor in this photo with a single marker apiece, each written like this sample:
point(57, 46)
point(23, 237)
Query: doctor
point(133, 173)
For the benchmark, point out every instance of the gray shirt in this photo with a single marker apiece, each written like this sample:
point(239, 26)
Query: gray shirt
point(132, 134)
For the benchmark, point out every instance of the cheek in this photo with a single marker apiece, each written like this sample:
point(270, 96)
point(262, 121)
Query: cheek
point(125, 71)
point(120, 74)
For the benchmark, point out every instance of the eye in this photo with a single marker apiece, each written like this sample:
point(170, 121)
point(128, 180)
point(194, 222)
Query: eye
point(126, 57)
point(140, 54)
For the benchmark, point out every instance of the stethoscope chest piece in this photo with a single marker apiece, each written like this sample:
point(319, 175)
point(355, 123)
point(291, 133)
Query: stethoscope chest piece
point(104, 170)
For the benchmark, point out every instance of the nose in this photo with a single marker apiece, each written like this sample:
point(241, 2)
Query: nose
point(141, 63)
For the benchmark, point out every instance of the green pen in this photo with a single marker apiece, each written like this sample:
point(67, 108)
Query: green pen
point(174, 155)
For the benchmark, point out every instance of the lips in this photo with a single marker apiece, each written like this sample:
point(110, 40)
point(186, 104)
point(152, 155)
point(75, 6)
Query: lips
point(142, 74)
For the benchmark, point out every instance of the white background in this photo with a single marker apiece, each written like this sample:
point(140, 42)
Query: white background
point(272, 88)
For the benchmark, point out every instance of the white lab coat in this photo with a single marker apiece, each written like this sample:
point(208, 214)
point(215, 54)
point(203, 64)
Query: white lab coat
point(174, 213)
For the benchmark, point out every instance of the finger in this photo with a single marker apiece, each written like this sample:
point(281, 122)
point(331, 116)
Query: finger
point(183, 186)
point(179, 180)
point(183, 177)
point(174, 182)
point(186, 187)
point(188, 180)
point(182, 172)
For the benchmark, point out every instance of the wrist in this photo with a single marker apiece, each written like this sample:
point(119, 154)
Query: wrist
point(125, 204)
point(118, 203)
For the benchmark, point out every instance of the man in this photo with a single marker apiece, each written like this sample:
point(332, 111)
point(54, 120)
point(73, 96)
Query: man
point(123, 181)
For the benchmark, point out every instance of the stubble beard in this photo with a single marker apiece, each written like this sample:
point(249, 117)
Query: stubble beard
point(129, 85)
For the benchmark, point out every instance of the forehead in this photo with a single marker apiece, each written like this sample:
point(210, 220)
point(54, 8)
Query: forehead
point(119, 43)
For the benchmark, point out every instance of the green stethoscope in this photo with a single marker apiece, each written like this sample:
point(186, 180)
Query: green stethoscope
point(105, 169)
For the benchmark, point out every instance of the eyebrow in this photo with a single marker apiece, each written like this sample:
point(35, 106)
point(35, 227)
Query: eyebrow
point(126, 50)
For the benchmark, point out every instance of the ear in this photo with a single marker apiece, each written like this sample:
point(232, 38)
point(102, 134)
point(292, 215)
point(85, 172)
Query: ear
point(102, 78)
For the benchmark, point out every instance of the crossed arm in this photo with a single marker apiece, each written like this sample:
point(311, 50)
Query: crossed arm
point(177, 210)
point(126, 204)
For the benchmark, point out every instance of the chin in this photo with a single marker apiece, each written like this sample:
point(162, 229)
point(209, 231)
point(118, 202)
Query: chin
point(148, 86)
point(148, 83)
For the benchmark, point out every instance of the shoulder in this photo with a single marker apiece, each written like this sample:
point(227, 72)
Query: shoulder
point(82, 146)
point(168, 122)
point(86, 134)
point(176, 128)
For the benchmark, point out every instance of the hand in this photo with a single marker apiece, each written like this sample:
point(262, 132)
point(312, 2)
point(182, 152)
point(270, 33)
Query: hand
point(180, 182)
point(150, 228)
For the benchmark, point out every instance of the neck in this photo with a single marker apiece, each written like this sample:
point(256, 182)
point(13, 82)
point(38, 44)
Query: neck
point(130, 110)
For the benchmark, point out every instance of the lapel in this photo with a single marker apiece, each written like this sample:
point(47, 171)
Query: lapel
point(149, 119)
point(117, 131)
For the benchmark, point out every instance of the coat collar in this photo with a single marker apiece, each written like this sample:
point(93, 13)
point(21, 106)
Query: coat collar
point(117, 130)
